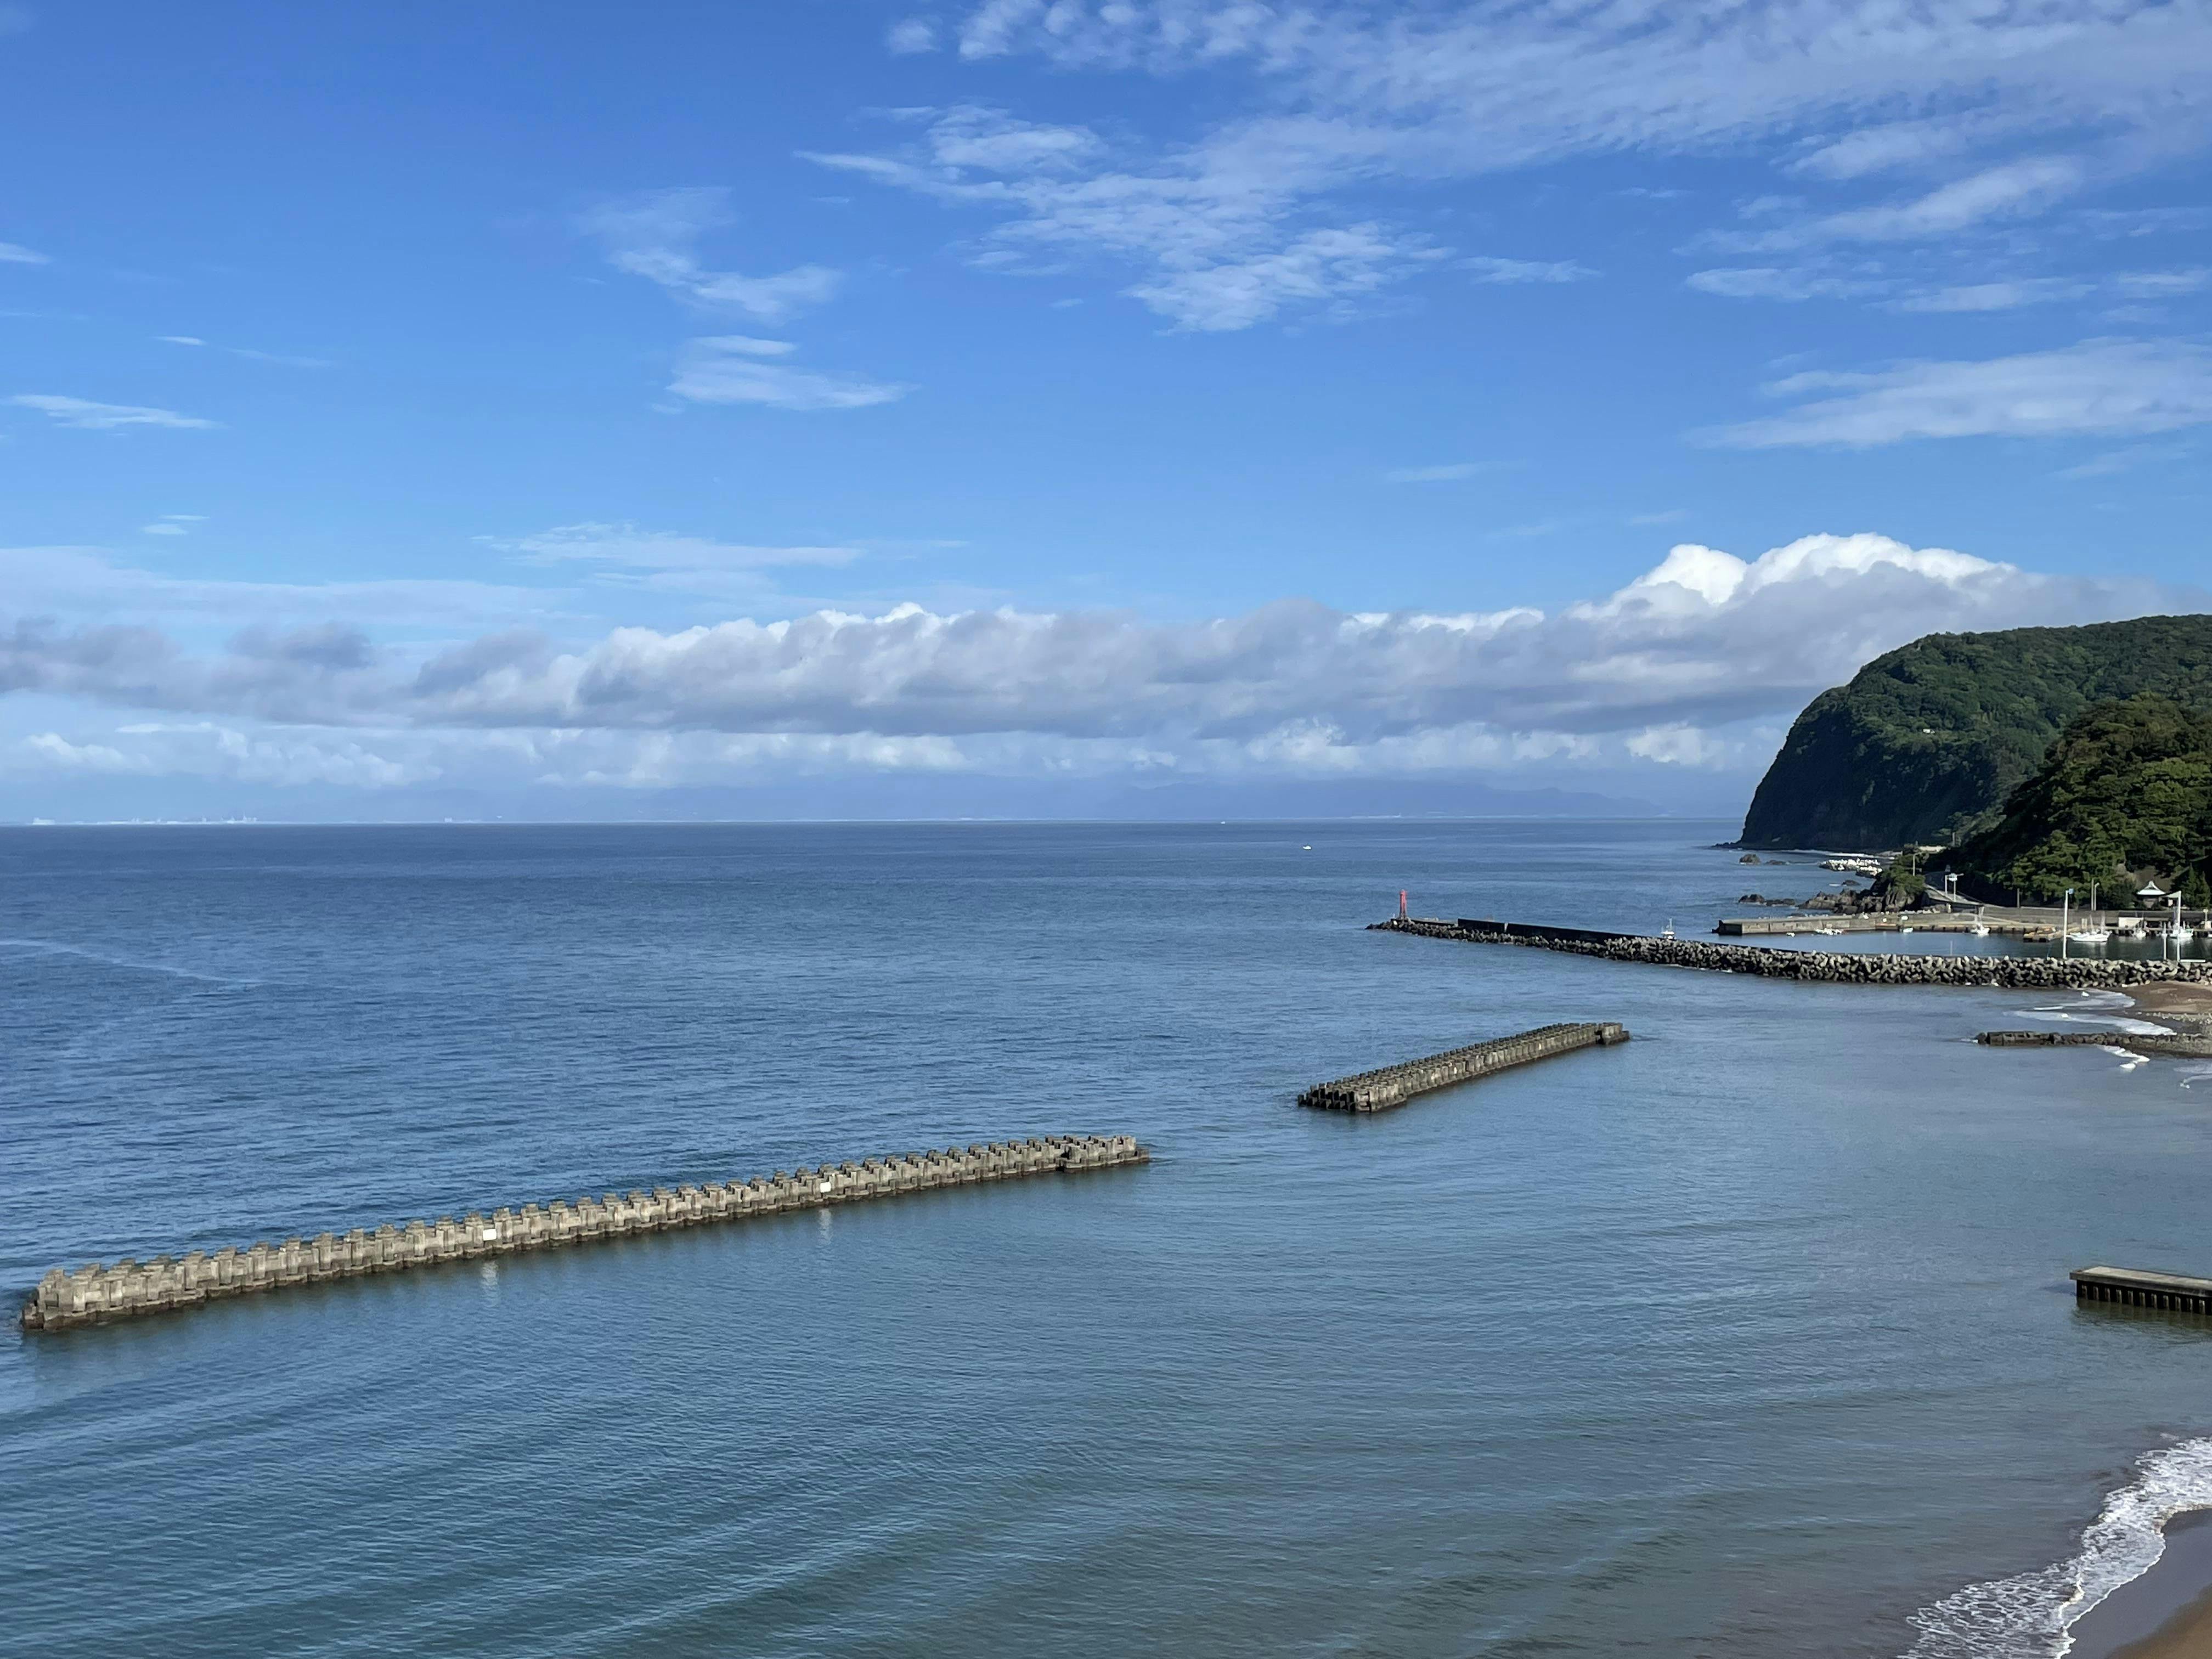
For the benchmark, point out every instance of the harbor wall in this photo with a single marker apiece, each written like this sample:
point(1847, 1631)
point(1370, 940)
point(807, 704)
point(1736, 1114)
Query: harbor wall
point(1832, 967)
point(1394, 1085)
point(99, 1292)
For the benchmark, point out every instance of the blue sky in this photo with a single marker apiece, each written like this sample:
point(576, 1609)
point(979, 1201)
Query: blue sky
point(841, 409)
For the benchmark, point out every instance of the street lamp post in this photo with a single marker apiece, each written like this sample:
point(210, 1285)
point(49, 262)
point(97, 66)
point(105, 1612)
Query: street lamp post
point(2065, 905)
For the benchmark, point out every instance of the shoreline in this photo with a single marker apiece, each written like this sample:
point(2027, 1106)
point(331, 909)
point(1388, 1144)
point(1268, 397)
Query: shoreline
point(2185, 1009)
point(2164, 1612)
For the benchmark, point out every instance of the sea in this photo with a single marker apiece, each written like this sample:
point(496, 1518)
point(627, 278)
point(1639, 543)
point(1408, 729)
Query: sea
point(1750, 1337)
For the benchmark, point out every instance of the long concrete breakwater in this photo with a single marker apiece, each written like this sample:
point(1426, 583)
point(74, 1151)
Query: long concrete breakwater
point(1394, 1085)
point(99, 1293)
point(1833, 967)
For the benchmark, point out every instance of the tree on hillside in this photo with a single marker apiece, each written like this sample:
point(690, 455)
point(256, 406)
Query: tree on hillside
point(2125, 790)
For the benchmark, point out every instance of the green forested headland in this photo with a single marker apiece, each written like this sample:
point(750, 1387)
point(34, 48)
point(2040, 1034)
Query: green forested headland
point(1925, 744)
point(2124, 796)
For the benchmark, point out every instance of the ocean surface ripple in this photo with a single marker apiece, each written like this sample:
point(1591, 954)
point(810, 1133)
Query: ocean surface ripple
point(1749, 1337)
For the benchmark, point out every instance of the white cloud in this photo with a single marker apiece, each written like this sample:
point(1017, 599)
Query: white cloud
point(161, 528)
point(1704, 641)
point(1527, 271)
point(12, 253)
point(209, 750)
point(913, 35)
point(2099, 386)
point(1217, 232)
point(2117, 461)
point(1322, 265)
point(1998, 296)
point(727, 369)
point(655, 235)
point(83, 582)
point(247, 352)
point(1768, 283)
point(82, 413)
point(2011, 190)
point(1347, 94)
point(625, 545)
point(2161, 284)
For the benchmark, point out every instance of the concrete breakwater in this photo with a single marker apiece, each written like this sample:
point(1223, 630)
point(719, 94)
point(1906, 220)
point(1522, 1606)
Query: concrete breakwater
point(97, 1293)
point(2141, 1042)
point(2142, 1288)
point(1833, 967)
point(1394, 1085)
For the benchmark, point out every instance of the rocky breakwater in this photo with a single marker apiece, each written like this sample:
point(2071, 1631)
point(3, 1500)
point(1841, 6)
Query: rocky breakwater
point(1394, 1085)
point(1829, 967)
point(99, 1293)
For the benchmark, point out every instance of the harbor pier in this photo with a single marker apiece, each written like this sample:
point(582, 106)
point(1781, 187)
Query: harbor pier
point(1394, 1085)
point(2142, 1288)
point(99, 1292)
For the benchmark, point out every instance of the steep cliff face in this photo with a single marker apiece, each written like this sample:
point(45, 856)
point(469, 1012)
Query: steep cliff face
point(1925, 743)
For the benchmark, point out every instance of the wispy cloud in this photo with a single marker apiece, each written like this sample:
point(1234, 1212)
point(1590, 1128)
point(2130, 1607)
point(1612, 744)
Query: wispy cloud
point(1216, 233)
point(83, 413)
point(1322, 266)
point(1341, 94)
point(1449, 472)
point(1998, 296)
point(729, 369)
point(624, 555)
point(912, 35)
point(2111, 387)
point(14, 253)
point(172, 523)
point(2115, 462)
point(1772, 283)
point(2161, 284)
point(1527, 271)
point(247, 352)
point(655, 235)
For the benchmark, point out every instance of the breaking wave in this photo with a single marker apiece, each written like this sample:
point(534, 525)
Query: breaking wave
point(2031, 1616)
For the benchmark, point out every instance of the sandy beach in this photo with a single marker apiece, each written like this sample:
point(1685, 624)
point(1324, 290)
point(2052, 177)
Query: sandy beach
point(2183, 1008)
point(2164, 1614)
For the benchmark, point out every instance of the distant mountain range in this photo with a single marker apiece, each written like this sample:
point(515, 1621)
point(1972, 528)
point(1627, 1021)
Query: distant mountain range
point(1926, 745)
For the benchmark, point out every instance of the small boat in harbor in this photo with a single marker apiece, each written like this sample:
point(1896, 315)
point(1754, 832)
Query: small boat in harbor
point(2090, 935)
point(1667, 931)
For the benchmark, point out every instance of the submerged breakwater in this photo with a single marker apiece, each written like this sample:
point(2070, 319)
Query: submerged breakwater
point(97, 1293)
point(1836, 967)
point(1394, 1085)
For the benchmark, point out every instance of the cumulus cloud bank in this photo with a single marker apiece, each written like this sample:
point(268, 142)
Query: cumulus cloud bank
point(1696, 664)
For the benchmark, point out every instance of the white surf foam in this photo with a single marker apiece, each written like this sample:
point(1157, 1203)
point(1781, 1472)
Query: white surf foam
point(2097, 1008)
point(2031, 1616)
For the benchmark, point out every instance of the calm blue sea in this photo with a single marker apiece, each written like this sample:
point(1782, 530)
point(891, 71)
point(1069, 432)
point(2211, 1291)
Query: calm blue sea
point(1749, 1338)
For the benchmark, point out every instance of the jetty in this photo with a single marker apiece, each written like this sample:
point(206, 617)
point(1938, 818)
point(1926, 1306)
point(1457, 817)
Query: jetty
point(99, 1293)
point(2168, 1045)
point(2142, 1288)
point(1828, 967)
point(1394, 1085)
